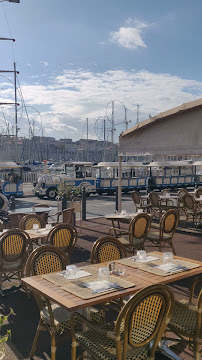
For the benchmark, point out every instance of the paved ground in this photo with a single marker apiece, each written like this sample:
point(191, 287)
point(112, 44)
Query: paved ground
point(24, 323)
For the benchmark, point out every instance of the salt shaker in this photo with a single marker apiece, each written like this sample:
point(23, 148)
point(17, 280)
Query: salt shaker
point(110, 268)
point(113, 266)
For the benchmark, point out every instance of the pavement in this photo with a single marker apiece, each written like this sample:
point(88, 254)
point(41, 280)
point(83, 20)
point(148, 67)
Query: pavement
point(24, 321)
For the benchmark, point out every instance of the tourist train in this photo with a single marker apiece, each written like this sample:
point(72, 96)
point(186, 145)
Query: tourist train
point(103, 177)
point(11, 182)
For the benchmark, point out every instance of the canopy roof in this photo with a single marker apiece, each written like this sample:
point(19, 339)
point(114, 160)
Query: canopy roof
point(173, 132)
point(9, 165)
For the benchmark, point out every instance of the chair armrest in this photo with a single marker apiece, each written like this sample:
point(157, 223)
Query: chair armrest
point(193, 285)
point(187, 305)
point(109, 334)
point(117, 230)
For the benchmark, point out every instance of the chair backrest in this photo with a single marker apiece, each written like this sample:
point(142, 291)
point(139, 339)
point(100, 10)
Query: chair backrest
point(154, 199)
point(181, 193)
point(63, 236)
point(145, 317)
point(165, 192)
point(67, 216)
point(107, 248)
point(15, 246)
point(136, 197)
point(169, 221)
point(139, 226)
point(46, 259)
point(189, 202)
point(198, 192)
point(27, 222)
point(43, 260)
point(14, 219)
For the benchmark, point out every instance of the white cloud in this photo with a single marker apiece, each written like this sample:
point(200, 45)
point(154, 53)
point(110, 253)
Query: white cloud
point(130, 36)
point(74, 95)
point(45, 63)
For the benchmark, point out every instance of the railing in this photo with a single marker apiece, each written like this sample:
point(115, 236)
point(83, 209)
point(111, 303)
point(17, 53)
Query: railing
point(30, 177)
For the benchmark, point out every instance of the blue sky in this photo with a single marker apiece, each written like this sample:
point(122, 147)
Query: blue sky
point(76, 56)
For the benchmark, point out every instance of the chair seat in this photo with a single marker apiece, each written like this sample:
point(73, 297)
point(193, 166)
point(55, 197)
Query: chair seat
point(125, 240)
point(104, 348)
point(198, 212)
point(156, 236)
point(62, 317)
point(183, 319)
point(155, 226)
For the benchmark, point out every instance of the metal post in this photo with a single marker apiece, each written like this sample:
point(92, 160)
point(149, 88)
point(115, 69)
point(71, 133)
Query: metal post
point(83, 197)
point(117, 197)
point(16, 109)
point(119, 183)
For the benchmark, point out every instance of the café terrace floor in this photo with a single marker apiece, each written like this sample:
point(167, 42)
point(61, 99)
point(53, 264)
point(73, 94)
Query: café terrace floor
point(187, 242)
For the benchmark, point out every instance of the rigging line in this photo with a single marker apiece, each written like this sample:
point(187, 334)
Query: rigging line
point(7, 123)
point(9, 31)
point(28, 120)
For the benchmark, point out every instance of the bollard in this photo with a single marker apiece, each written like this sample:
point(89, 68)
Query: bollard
point(117, 199)
point(12, 203)
point(83, 197)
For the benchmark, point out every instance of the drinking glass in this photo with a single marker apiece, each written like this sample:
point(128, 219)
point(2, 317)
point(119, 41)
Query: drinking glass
point(141, 255)
point(139, 211)
point(103, 273)
point(48, 226)
point(71, 270)
point(167, 257)
point(35, 226)
point(123, 212)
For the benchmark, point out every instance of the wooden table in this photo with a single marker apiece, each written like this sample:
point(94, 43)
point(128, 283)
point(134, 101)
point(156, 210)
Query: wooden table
point(38, 234)
point(31, 210)
point(121, 218)
point(138, 277)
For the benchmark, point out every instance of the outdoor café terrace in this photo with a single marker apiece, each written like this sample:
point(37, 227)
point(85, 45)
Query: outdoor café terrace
point(24, 320)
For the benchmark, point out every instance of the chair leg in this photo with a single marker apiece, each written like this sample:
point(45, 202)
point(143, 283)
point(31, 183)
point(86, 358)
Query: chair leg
point(39, 328)
point(53, 344)
point(73, 356)
point(197, 352)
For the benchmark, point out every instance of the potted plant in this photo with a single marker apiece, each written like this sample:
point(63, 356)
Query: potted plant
point(65, 195)
point(5, 337)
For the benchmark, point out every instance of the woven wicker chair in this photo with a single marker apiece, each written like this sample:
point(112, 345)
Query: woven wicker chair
point(133, 239)
point(136, 332)
point(14, 219)
point(107, 248)
point(139, 202)
point(165, 192)
point(43, 260)
point(46, 259)
point(198, 192)
point(186, 321)
point(15, 246)
point(27, 222)
point(159, 206)
point(163, 237)
point(192, 209)
point(63, 236)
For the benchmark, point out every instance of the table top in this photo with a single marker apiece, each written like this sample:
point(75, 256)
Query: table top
point(137, 276)
point(38, 234)
point(31, 210)
point(119, 216)
point(34, 234)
